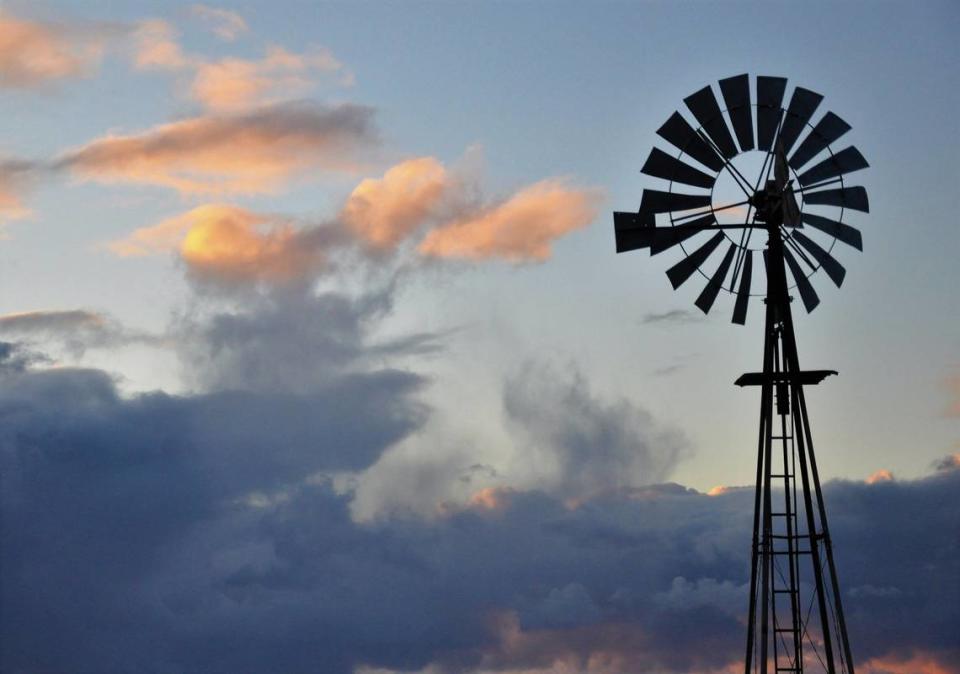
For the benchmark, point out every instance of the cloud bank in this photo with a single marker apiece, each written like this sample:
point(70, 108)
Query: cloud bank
point(199, 534)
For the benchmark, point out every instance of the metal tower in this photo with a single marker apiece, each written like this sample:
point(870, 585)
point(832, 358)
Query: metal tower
point(795, 616)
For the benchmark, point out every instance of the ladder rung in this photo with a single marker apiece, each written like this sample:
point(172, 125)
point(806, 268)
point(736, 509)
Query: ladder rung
point(792, 514)
point(782, 475)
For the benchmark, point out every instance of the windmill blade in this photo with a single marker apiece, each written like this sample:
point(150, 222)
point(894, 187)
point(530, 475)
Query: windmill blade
point(847, 197)
point(633, 230)
point(679, 233)
point(846, 161)
point(681, 271)
point(656, 201)
point(709, 294)
point(807, 293)
point(703, 105)
point(803, 103)
point(743, 292)
point(681, 135)
point(661, 165)
point(632, 234)
point(769, 99)
point(827, 130)
point(736, 96)
point(834, 269)
point(839, 230)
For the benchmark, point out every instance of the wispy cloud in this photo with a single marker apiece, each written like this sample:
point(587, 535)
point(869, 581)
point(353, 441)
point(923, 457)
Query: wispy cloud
point(672, 316)
point(75, 330)
point(225, 24)
point(236, 83)
point(253, 152)
point(34, 53)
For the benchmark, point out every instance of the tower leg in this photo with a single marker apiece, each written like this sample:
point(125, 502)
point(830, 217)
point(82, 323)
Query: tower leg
point(784, 631)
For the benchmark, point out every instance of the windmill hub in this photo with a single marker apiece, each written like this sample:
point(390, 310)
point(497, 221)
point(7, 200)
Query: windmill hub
point(768, 204)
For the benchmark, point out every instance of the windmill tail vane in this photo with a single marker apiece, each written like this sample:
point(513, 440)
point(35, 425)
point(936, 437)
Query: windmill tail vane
point(795, 619)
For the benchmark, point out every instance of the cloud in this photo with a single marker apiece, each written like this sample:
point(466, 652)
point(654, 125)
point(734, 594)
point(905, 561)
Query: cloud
point(949, 462)
point(384, 211)
point(157, 47)
point(197, 533)
point(583, 445)
point(34, 54)
point(519, 229)
point(881, 475)
point(254, 152)
point(672, 316)
point(233, 83)
point(230, 246)
point(226, 247)
point(292, 340)
point(75, 330)
point(225, 24)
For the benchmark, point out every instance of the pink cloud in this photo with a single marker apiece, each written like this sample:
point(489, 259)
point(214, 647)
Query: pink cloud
point(256, 152)
point(33, 53)
point(384, 211)
point(157, 47)
point(234, 83)
point(522, 228)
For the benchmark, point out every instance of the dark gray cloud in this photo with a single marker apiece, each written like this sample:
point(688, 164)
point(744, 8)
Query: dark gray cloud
point(161, 533)
point(672, 316)
point(131, 544)
point(291, 341)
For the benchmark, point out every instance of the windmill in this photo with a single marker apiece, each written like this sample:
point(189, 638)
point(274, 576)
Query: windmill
point(728, 218)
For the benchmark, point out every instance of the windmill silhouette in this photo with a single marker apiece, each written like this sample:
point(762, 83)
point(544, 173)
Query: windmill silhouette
point(795, 616)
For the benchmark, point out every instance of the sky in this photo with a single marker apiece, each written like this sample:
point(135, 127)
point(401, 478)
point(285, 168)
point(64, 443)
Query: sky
point(316, 354)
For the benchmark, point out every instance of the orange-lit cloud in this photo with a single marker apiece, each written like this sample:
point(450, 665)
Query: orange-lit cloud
point(914, 663)
point(520, 229)
point(168, 234)
point(383, 211)
point(604, 648)
point(234, 246)
point(254, 152)
point(225, 24)
point(234, 83)
point(33, 53)
point(231, 246)
point(880, 476)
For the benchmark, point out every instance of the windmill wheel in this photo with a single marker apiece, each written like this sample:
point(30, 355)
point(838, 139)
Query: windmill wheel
point(721, 187)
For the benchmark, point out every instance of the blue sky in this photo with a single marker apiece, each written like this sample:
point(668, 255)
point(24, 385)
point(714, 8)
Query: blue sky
point(516, 128)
